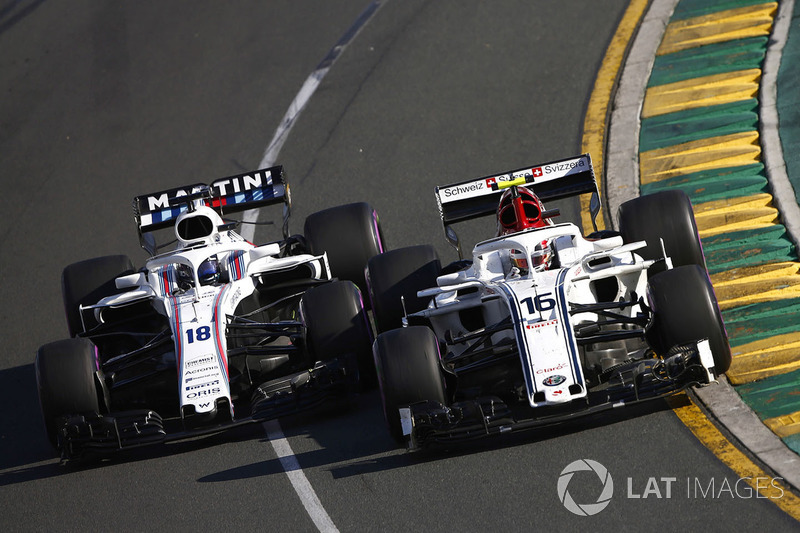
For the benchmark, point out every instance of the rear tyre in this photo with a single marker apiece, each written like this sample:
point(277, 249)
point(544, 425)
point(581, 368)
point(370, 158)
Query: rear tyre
point(65, 379)
point(337, 324)
point(86, 282)
point(685, 310)
point(407, 360)
point(400, 274)
point(350, 234)
point(666, 215)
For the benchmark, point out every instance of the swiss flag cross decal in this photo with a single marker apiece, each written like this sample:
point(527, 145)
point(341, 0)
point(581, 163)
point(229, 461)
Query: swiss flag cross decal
point(491, 182)
point(537, 172)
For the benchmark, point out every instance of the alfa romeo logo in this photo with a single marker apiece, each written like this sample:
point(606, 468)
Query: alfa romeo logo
point(554, 381)
point(585, 509)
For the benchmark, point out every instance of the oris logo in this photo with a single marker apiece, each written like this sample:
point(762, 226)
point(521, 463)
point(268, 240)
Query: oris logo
point(203, 392)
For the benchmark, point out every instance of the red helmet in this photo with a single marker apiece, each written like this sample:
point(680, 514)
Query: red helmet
point(519, 209)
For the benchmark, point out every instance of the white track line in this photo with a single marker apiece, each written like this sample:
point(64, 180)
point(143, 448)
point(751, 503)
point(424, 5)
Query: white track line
point(301, 100)
point(275, 434)
point(298, 479)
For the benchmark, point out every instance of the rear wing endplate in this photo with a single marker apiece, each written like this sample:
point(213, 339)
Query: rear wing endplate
point(549, 181)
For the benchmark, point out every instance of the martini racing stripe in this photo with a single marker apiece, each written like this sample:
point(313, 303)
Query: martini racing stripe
point(176, 327)
point(255, 195)
point(235, 265)
point(163, 215)
point(219, 322)
point(166, 280)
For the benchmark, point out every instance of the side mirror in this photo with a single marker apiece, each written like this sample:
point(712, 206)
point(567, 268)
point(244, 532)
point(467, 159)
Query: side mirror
point(131, 280)
point(265, 250)
point(452, 237)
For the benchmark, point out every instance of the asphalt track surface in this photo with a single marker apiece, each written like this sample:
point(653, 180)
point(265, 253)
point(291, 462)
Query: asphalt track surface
point(104, 101)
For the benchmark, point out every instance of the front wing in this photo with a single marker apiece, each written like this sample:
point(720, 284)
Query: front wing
point(430, 423)
point(94, 434)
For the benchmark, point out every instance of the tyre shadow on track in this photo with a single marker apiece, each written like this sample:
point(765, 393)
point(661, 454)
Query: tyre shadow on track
point(26, 455)
point(347, 440)
point(22, 436)
point(357, 442)
point(509, 440)
point(47, 465)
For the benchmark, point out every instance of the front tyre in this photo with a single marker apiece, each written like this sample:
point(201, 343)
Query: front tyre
point(685, 310)
point(65, 378)
point(666, 215)
point(350, 234)
point(337, 324)
point(395, 277)
point(407, 361)
point(86, 282)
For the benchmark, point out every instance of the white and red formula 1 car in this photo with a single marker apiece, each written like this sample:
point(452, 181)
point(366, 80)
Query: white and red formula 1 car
point(542, 324)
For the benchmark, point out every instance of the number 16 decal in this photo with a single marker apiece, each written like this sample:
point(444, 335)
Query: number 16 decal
point(542, 302)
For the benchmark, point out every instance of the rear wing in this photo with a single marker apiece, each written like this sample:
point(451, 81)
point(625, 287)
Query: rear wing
point(233, 194)
point(549, 181)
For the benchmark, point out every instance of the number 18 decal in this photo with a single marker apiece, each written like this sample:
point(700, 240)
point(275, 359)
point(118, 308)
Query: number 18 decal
point(541, 303)
point(203, 334)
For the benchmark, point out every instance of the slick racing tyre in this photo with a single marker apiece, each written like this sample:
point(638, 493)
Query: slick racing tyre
point(666, 215)
point(407, 360)
point(65, 378)
point(685, 310)
point(400, 274)
point(86, 282)
point(350, 234)
point(337, 324)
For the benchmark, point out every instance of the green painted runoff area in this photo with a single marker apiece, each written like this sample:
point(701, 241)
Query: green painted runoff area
point(759, 321)
point(789, 103)
point(721, 58)
point(716, 184)
point(775, 396)
point(687, 9)
point(700, 123)
point(778, 395)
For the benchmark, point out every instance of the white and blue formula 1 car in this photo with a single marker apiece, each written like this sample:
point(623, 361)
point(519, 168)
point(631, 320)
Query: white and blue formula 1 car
point(542, 325)
point(215, 332)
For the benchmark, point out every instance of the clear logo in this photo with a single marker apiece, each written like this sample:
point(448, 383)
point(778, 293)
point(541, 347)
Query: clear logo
point(585, 509)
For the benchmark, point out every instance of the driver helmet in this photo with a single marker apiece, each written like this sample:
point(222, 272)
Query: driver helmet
point(519, 260)
point(208, 271)
point(519, 209)
point(539, 260)
point(542, 255)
